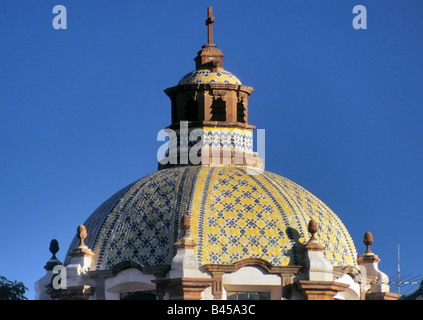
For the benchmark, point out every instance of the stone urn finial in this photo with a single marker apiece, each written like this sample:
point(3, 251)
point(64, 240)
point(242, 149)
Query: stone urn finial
point(185, 225)
point(368, 241)
point(81, 233)
point(54, 248)
point(312, 228)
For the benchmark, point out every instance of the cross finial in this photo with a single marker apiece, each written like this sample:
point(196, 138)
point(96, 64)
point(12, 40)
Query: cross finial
point(209, 23)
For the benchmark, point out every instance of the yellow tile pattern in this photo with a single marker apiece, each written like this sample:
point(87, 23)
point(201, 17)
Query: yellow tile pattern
point(234, 215)
point(207, 76)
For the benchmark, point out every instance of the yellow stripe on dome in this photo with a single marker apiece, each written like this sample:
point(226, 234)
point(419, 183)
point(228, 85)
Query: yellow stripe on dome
point(207, 76)
point(234, 215)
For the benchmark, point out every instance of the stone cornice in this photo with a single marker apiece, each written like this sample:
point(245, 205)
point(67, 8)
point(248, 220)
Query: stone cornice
point(208, 86)
point(254, 262)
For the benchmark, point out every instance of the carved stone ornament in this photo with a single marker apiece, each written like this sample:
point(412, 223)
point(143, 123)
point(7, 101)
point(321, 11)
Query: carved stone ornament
point(81, 233)
point(185, 225)
point(242, 97)
point(312, 228)
point(218, 93)
point(368, 241)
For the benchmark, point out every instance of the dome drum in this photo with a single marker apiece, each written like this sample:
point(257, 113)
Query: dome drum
point(211, 146)
point(217, 102)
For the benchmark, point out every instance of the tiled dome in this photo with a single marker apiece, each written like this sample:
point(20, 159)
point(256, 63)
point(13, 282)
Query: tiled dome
point(207, 76)
point(234, 215)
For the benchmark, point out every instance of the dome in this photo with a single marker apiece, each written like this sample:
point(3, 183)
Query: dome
point(234, 215)
point(207, 76)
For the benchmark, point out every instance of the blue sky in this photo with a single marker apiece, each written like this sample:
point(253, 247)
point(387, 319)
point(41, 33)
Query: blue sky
point(80, 110)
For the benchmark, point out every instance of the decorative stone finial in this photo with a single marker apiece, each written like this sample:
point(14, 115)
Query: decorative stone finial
point(185, 225)
point(313, 244)
point(374, 281)
point(81, 255)
point(185, 241)
point(317, 267)
point(184, 263)
point(54, 248)
point(368, 241)
point(312, 228)
point(81, 233)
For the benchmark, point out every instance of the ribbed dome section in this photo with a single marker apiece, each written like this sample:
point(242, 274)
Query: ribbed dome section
point(234, 215)
point(207, 76)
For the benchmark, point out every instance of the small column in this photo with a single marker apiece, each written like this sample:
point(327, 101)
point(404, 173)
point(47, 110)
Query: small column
point(374, 282)
point(185, 280)
point(81, 255)
point(78, 285)
point(318, 267)
point(42, 286)
point(185, 264)
point(319, 272)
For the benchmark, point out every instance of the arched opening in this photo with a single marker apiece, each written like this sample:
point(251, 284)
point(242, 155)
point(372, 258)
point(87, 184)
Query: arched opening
point(218, 110)
point(174, 113)
point(191, 110)
point(240, 112)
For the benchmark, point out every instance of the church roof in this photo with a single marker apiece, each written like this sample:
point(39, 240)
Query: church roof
point(234, 215)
